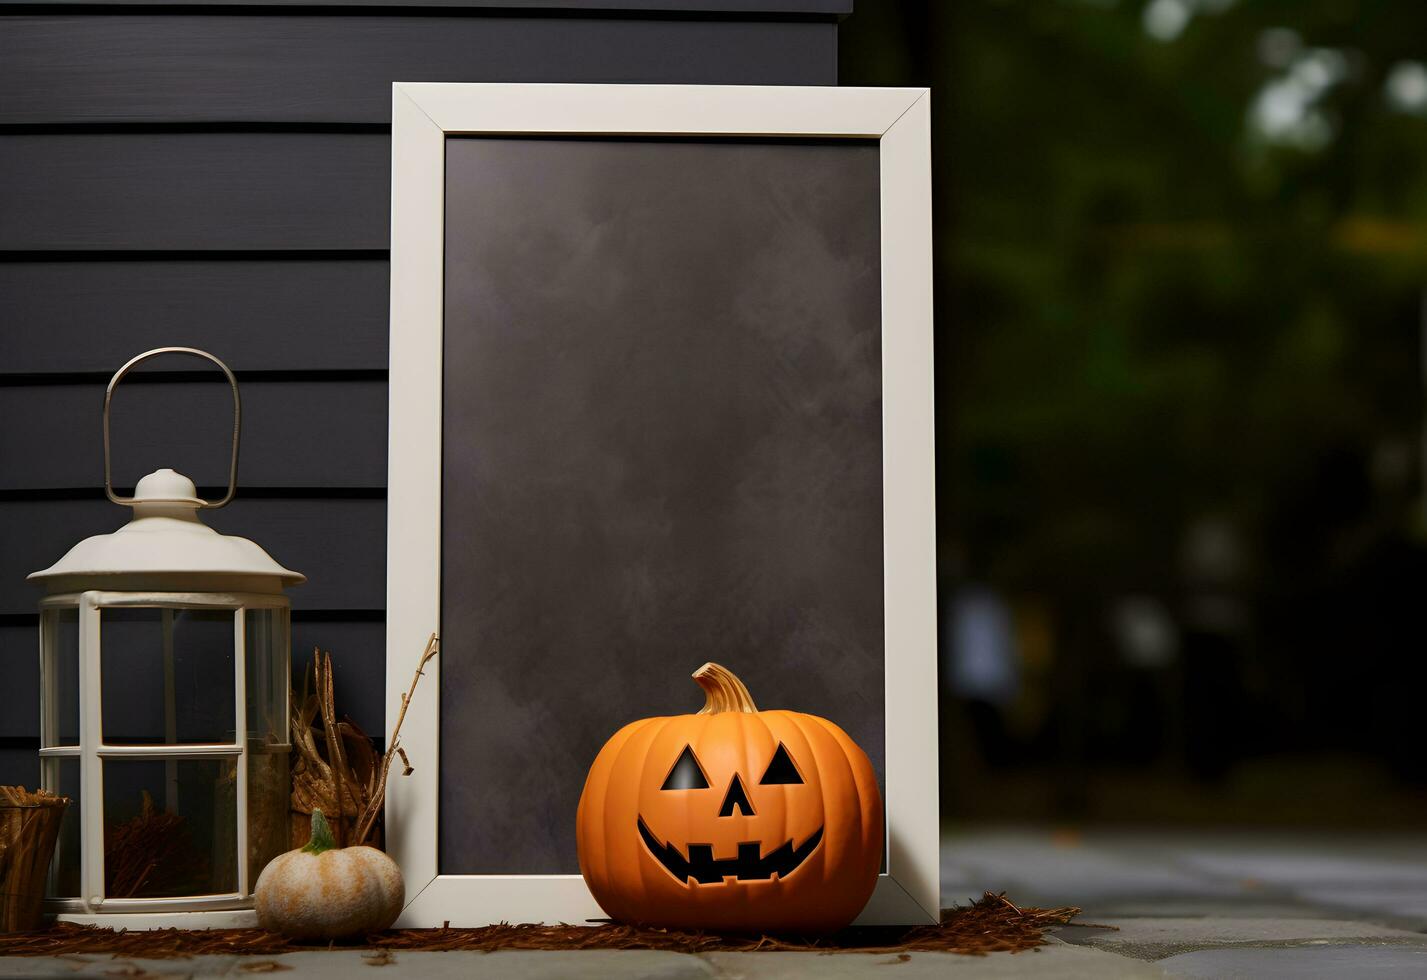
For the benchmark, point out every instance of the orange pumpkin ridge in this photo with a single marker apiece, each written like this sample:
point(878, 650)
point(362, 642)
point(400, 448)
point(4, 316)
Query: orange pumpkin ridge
point(721, 848)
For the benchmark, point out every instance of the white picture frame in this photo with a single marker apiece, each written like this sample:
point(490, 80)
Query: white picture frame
point(423, 115)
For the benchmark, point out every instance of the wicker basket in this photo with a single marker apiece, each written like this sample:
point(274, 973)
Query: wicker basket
point(29, 826)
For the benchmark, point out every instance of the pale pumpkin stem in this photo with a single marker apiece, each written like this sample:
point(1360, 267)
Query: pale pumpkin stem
point(723, 690)
point(322, 839)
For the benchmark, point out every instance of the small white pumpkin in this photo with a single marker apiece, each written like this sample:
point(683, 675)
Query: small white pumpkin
point(322, 891)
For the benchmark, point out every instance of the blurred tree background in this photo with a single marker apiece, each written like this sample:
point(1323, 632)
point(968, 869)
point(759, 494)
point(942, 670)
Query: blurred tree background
point(1181, 281)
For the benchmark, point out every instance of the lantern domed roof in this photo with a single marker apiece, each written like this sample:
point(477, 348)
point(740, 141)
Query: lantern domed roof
point(165, 547)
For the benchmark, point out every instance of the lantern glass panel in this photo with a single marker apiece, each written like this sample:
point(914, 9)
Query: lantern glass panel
point(59, 630)
point(170, 827)
point(167, 676)
point(61, 776)
point(266, 658)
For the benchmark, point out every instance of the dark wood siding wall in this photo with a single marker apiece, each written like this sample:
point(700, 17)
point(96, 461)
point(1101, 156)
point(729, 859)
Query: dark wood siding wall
point(216, 175)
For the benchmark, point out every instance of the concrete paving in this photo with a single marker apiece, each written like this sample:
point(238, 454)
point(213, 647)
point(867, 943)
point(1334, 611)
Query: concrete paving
point(1216, 904)
point(1059, 961)
point(1156, 905)
point(1322, 963)
point(1156, 938)
point(1377, 877)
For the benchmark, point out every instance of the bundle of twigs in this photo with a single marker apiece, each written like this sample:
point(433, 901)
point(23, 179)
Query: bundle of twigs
point(336, 768)
point(29, 826)
point(990, 925)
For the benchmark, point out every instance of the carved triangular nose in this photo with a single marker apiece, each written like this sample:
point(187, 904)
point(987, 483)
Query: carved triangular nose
point(735, 797)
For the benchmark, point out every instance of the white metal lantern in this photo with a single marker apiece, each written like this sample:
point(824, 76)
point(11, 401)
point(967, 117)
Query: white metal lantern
point(164, 673)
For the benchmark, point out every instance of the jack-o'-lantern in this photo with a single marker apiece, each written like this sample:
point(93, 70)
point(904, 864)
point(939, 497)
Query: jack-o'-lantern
point(733, 819)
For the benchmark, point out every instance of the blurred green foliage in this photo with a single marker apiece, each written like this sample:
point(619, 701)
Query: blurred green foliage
point(1181, 254)
point(1151, 308)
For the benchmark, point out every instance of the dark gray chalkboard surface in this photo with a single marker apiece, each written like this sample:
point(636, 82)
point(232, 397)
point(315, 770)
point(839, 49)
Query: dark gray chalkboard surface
point(662, 445)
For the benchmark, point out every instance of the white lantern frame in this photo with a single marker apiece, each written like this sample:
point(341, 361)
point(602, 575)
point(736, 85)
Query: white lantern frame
point(167, 559)
point(92, 750)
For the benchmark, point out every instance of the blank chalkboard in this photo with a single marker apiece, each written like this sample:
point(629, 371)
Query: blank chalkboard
point(662, 445)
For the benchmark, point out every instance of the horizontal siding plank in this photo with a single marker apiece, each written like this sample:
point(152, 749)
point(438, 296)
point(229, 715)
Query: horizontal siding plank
point(358, 667)
point(20, 657)
point(157, 68)
point(339, 544)
point(194, 191)
point(257, 314)
point(295, 434)
point(358, 661)
point(19, 767)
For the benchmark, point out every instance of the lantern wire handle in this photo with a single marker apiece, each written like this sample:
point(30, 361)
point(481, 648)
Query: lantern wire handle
point(237, 421)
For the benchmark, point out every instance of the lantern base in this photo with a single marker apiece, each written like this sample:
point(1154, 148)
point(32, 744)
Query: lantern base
point(220, 919)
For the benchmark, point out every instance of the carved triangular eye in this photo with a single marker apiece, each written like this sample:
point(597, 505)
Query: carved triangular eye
point(781, 769)
point(687, 773)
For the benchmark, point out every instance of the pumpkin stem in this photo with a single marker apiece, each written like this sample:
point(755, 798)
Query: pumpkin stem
point(322, 839)
point(723, 690)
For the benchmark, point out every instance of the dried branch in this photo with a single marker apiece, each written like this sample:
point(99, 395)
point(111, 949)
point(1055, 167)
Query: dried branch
point(373, 809)
point(338, 769)
point(327, 700)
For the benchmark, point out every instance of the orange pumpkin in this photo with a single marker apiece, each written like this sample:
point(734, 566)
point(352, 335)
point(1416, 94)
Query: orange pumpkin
point(732, 818)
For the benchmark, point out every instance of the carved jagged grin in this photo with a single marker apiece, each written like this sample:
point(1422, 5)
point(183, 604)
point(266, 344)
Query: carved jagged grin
point(750, 864)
